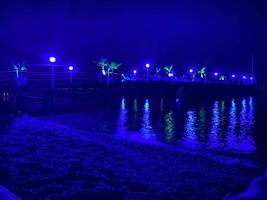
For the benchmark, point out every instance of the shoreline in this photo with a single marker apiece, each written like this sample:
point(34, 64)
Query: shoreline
point(42, 160)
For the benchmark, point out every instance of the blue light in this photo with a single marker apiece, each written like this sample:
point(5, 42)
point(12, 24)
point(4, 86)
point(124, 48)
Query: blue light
point(251, 78)
point(71, 68)
point(244, 77)
point(191, 70)
point(233, 75)
point(215, 74)
point(147, 65)
point(104, 72)
point(52, 59)
point(170, 74)
point(135, 71)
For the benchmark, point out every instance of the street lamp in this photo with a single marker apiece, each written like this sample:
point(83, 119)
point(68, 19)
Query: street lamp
point(71, 68)
point(215, 74)
point(191, 70)
point(233, 75)
point(135, 72)
point(147, 68)
point(170, 74)
point(52, 61)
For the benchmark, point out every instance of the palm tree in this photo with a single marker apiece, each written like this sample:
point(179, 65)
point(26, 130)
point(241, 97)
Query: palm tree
point(113, 66)
point(103, 64)
point(19, 68)
point(16, 68)
point(168, 69)
point(158, 73)
point(202, 72)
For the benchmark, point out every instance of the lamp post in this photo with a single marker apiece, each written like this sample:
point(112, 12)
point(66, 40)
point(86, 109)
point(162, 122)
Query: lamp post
point(191, 71)
point(147, 68)
point(71, 68)
point(52, 61)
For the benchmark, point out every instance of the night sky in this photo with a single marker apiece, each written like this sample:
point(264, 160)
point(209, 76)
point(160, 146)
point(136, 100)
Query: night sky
point(183, 33)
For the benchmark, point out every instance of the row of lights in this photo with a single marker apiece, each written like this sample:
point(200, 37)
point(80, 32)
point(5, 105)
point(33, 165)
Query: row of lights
point(191, 71)
point(217, 74)
point(53, 60)
point(71, 68)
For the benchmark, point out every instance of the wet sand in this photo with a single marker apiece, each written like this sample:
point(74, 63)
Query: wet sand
point(44, 160)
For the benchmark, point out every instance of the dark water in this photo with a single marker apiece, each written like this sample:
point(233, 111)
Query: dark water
point(218, 123)
point(223, 123)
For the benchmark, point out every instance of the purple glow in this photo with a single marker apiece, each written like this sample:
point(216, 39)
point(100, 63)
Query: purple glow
point(191, 70)
point(233, 75)
point(244, 77)
point(52, 59)
point(71, 68)
point(147, 65)
point(215, 74)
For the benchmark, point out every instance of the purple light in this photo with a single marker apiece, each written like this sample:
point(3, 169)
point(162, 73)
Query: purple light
point(147, 65)
point(215, 74)
point(244, 77)
point(233, 75)
point(191, 70)
point(52, 59)
point(71, 68)
point(135, 71)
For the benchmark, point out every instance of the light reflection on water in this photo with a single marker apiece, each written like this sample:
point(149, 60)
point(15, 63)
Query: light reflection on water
point(224, 124)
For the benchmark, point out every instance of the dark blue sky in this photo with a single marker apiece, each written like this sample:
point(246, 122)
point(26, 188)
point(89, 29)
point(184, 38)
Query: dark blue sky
point(134, 32)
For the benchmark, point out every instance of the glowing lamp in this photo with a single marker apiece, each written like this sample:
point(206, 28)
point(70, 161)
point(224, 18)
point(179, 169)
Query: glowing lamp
point(244, 77)
point(147, 65)
point(191, 70)
point(135, 71)
point(215, 74)
point(71, 68)
point(251, 78)
point(52, 59)
point(170, 74)
point(233, 75)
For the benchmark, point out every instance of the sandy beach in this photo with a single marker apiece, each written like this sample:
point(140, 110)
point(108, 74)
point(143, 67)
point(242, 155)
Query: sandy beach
point(44, 160)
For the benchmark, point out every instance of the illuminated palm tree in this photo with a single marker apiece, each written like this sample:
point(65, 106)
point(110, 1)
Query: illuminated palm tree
point(113, 66)
point(103, 64)
point(16, 68)
point(168, 69)
point(158, 70)
point(158, 73)
point(202, 72)
point(20, 68)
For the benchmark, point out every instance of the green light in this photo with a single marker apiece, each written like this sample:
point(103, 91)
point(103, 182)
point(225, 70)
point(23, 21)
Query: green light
point(169, 126)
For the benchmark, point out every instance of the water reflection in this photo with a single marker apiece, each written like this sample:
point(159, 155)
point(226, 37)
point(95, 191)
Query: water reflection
point(146, 121)
point(232, 119)
point(190, 125)
point(169, 127)
point(121, 127)
point(216, 124)
point(202, 125)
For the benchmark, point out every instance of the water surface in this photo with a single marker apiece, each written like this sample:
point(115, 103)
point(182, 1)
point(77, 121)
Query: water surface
point(222, 123)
